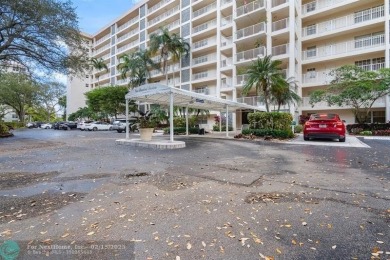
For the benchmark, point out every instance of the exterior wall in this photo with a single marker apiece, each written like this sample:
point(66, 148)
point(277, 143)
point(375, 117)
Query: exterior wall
point(309, 37)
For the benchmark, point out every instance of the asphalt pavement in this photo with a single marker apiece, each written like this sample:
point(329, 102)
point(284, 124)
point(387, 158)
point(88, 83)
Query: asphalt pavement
point(215, 199)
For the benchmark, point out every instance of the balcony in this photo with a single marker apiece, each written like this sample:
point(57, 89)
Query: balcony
point(226, 41)
point(158, 5)
point(251, 30)
point(204, 10)
point(256, 101)
point(127, 35)
point(128, 46)
point(105, 47)
point(207, 74)
point(204, 91)
point(123, 81)
point(127, 24)
point(381, 102)
point(227, 20)
point(241, 79)
point(226, 2)
point(344, 22)
point(226, 83)
point(226, 63)
point(280, 49)
point(205, 42)
point(319, 4)
point(276, 3)
point(280, 25)
point(349, 47)
point(204, 26)
point(170, 69)
point(204, 59)
point(169, 27)
point(164, 15)
point(250, 54)
point(102, 77)
point(102, 39)
point(248, 8)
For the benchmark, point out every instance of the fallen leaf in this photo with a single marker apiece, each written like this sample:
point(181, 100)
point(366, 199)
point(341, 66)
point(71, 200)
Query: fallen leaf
point(156, 238)
point(43, 232)
point(91, 233)
point(278, 250)
point(203, 244)
point(189, 246)
point(65, 235)
point(334, 247)
point(177, 257)
point(243, 239)
point(379, 242)
point(304, 224)
point(170, 243)
point(109, 226)
point(293, 242)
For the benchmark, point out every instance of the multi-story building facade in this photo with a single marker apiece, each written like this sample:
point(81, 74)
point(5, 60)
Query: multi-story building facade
point(310, 38)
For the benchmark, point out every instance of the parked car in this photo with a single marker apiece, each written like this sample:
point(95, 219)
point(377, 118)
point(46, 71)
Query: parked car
point(95, 126)
point(68, 126)
point(31, 125)
point(324, 126)
point(120, 125)
point(56, 125)
point(81, 125)
point(46, 126)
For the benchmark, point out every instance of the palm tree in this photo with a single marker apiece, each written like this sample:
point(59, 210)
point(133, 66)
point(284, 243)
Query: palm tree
point(99, 64)
point(282, 94)
point(167, 44)
point(136, 66)
point(263, 74)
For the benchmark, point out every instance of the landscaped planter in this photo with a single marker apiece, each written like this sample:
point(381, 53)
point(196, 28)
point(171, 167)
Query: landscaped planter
point(146, 133)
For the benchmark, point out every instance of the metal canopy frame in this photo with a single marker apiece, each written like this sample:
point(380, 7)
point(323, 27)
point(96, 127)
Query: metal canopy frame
point(157, 93)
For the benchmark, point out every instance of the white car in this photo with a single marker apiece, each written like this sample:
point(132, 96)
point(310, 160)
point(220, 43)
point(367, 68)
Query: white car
point(82, 125)
point(95, 126)
point(47, 126)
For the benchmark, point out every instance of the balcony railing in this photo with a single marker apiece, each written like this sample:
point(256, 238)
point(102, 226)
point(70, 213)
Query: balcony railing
point(204, 10)
point(128, 35)
point(241, 79)
point(345, 47)
point(256, 101)
point(127, 24)
point(204, 74)
point(169, 27)
point(226, 62)
point(226, 2)
point(226, 41)
point(105, 47)
point(278, 2)
point(226, 20)
point(204, 26)
point(345, 21)
point(158, 5)
point(204, 91)
point(164, 15)
point(203, 59)
point(250, 54)
point(204, 42)
point(280, 49)
point(381, 102)
point(102, 39)
point(318, 5)
point(255, 5)
point(123, 81)
point(280, 25)
point(226, 83)
point(128, 46)
point(250, 30)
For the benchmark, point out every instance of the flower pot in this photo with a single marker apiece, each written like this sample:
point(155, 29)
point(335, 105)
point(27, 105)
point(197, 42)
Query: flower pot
point(146, 133)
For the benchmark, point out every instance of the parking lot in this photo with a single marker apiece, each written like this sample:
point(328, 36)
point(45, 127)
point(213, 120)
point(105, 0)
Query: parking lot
point(214, 199)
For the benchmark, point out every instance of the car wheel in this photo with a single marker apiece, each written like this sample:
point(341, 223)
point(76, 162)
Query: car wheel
point(119, 131)
point(110, 129)
point(306, 138)
point(94, 129)
point(342, 140)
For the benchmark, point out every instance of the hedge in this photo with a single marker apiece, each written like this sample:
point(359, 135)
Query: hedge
point(270, 120)
point(269, 132)
point(357, 128)
point(216, 128)
point(182, 130)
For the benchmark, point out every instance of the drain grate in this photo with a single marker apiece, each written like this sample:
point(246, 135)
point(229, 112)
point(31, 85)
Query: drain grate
point(135, 174)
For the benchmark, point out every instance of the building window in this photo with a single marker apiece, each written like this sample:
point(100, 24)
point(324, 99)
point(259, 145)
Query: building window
point(362, 16)
point(311, 51)
point(87, 85)
point(378, 63)
point(311, 73)
point(364, 64)
point(86, 76)
point(311, 29)
point(310, 7)
point(378, 117)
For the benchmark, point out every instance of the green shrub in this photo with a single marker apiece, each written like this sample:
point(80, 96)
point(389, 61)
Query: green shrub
point(216, 128)
point(181, 121)
point(182, 130)
point(365, 133)
point(298, 129)
point(14, 125)
point(270, 120)
point(275, 133)
point(3, 129)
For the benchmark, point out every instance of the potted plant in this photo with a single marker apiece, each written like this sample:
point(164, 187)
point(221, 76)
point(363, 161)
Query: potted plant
point(147, 123)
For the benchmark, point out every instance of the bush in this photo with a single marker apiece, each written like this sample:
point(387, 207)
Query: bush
point(14, 125)
point(181, 121)
point(365, 133)
point(216, 128)
point(298, 129)
point(275, 133)
point(270, 120)
point(381, 132)
point(356, 128)
point(182, 130)
point(4, 130)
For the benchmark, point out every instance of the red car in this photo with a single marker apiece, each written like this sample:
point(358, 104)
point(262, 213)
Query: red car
point(324, 126)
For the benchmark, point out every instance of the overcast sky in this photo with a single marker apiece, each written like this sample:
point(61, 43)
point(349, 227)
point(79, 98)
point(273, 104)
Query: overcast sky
point(94, 14)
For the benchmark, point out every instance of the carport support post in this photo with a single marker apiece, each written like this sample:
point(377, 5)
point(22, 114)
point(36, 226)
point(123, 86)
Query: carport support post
point(227, 121)
point(127, 119)
point(220, 121)
point(171, 117)
point(187, 120)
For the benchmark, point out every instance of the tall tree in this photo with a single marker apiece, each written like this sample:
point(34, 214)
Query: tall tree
point(19, 92)
point(49, 97)
point(283, 94)
point(167, 44)
point(136, 66)
point(99, 64)
point(262, 75)
point(35, 33)
point(62, 103)
point(355, 88)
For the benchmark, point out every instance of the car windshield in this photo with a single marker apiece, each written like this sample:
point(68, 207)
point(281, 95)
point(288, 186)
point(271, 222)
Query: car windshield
point(323, 117)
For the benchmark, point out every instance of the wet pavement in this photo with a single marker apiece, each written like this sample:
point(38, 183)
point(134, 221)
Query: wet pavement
point(214, 199)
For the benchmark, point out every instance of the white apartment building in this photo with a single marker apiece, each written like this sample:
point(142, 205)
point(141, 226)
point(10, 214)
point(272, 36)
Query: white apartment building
point(310, 38)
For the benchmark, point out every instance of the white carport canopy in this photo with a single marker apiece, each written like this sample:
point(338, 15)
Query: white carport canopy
point(157, 93)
